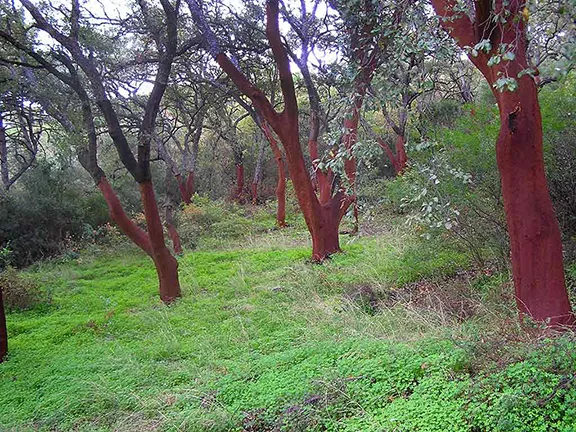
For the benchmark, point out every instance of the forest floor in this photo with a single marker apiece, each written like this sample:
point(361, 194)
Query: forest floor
point(391, 335)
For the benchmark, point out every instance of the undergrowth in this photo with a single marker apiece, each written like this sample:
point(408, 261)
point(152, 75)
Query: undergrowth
point(391, 335)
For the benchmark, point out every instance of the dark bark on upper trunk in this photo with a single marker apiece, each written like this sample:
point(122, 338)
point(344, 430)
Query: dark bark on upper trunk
point(4, 172)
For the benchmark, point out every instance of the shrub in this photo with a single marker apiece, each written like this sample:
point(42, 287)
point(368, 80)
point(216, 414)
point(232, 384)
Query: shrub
point(220, 220)
point(452, 188)
point(20, 292)
point(44, 211)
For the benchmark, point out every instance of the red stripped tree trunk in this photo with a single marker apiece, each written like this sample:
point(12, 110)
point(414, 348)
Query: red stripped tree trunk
point(536, 247)
point(239, 181)
point(166, 264)
point(118, 215)
point(172, 231)
point(401, 157)
point(3, 330)
point(281, 186)
point(186, 187)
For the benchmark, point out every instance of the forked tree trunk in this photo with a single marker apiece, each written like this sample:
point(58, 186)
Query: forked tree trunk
point(118, 215)
point(3, 330)
point(186, 187)
point(166, 264)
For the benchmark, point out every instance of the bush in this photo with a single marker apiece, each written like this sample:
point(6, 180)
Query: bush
point(221, 220)
point(45, 212)
point(452, 188)
point(558, 112)
point(20, 292)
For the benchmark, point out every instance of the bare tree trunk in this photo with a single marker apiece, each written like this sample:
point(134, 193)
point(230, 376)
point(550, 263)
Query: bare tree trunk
point(166, 264)
point(537, 260)
point(281, 186)
point(536, 247)
point(118, 215)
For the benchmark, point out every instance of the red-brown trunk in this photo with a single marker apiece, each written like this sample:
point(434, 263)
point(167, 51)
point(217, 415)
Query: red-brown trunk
point(401, 157)
point(325, 237)
point(536, 247)
point(281, 197)
point(166, 264)
point(118, 215)
point(186, 187)
point(535, 242)
point(3, 330)
point(239, 180)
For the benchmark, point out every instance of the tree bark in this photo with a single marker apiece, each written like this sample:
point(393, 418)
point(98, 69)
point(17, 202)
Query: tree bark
point(536, 247)
point(118, 215)
point(258, 172)
point(401, 157)
point(166, 264)
point(186, 187)
point(4, 171)
point(535, 241)
point(3, 330)
point(239, 181)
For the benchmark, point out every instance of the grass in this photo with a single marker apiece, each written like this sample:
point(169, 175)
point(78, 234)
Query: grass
point(265, 341)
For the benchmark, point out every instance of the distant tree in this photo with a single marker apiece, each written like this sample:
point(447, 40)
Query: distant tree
point(324, 213)
point(494, 36)
point(75, 63)
point(21, 128)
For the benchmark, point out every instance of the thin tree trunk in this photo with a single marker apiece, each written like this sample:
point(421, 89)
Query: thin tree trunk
point(281, 186)
point(239, 181)
point(401, 159)
point(258, 172)
point(166, 264)
point(4, 171)
point(3, 330)
point(172, 231)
